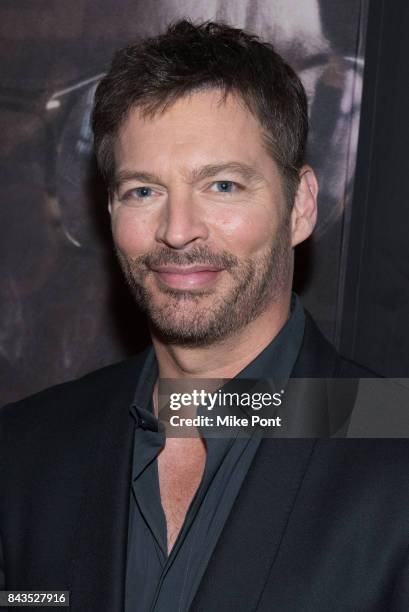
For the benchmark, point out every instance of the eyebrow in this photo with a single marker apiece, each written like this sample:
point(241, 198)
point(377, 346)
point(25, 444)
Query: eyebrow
point(247, 172)
point(197, 174)
point(135, 175)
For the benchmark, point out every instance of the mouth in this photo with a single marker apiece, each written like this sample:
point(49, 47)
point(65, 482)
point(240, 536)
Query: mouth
point(187, 277)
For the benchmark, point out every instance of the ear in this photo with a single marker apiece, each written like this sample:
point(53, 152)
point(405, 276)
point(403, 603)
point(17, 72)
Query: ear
point(304, 212)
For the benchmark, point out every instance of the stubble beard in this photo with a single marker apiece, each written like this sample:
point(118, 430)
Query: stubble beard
point(195, 319)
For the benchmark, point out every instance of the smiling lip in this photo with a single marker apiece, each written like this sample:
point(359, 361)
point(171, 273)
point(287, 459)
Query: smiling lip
point(187, 277)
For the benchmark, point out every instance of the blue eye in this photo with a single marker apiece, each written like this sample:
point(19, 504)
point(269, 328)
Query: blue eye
point(224, 186)
point(142, 192)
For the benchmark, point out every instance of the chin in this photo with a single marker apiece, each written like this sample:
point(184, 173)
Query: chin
point(186, 320)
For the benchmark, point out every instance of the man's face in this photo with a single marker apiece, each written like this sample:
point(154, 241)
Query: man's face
point(199, 218)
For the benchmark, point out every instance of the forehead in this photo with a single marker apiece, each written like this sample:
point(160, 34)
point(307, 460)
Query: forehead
point(203, 127)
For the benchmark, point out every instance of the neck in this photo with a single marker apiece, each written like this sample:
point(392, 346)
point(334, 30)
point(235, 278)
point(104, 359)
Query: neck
point(227, 358)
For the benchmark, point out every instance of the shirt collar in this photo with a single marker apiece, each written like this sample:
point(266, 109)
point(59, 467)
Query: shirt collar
point(278, 358)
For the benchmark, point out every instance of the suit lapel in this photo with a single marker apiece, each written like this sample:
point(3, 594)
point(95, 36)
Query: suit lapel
point(248, 546)
point(317, 357)
point(250, 541)
point(98, 569)
point(325, 405)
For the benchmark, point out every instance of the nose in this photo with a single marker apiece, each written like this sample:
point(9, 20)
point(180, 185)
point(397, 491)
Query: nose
point(181, 222)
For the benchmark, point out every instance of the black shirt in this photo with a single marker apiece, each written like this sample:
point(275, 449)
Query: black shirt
point(158, 582)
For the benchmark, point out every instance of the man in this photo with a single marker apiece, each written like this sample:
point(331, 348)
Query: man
point(200, 135)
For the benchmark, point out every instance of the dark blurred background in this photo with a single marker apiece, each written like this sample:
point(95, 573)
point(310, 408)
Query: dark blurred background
point(65, 309)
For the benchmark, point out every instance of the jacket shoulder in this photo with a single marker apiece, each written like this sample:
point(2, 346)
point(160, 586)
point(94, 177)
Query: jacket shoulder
point(84, 394)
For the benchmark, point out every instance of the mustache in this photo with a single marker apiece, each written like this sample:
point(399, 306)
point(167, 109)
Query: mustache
point(200, 255)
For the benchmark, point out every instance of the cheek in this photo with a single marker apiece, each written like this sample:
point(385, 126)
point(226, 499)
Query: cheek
point(244, 232)
point(130, 232)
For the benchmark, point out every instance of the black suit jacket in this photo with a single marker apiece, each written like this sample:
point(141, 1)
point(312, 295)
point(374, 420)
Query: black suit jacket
point(318, 525)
